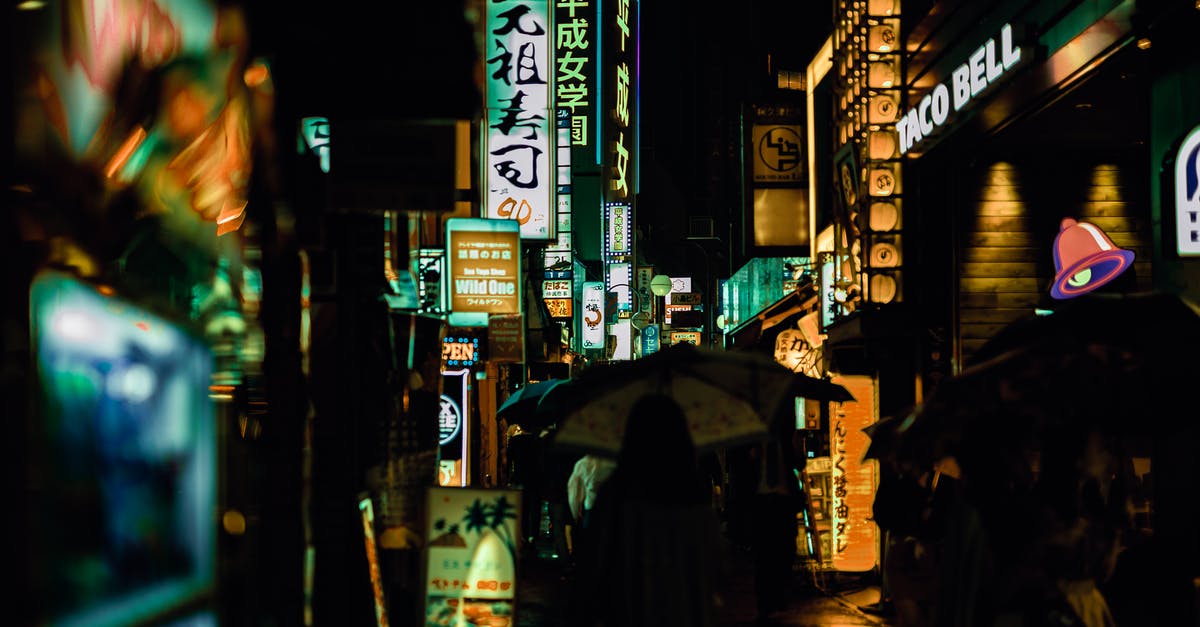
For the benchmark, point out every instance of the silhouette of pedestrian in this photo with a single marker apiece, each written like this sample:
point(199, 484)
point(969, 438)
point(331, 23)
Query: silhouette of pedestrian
point(652, 556)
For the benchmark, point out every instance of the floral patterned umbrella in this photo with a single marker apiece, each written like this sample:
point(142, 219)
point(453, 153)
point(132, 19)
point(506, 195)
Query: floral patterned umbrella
point(728, 397)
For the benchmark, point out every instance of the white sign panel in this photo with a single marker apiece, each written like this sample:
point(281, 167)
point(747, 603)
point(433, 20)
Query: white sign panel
point(592, 315)
point(1187, 195)
point(519, 150)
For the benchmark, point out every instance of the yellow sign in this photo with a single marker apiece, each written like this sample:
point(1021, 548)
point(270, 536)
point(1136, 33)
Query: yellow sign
point(855, 542)
point(485, 270)
point(685, 337)
point(559, 307)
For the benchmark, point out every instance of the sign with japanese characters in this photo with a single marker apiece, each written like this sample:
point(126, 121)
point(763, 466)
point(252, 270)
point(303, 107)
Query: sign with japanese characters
point(574, 67)
point(506, 338)
point(484, 265)
point(685, 337)
point(557, 288)
point(592, 315)
point(560, 307)
point(854, 542)
point(618, 242)
point(519, 135)
point(471, 556)
point(620, 37)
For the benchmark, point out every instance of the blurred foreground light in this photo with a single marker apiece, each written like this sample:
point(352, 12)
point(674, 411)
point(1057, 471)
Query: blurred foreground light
point(1144, 43)
point(234, 522)
point(31, 5)
point(256, 74)
point(74, 325)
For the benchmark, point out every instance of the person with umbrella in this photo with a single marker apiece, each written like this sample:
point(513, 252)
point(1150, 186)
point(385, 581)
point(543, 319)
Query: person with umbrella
point(650, 557)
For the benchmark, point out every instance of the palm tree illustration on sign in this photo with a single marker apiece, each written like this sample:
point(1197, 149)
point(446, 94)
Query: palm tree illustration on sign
point(478, 518)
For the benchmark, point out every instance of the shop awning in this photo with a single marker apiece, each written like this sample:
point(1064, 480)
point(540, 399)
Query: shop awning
point(761, 330)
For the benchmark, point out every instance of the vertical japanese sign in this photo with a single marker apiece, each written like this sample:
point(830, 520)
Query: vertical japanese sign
point(484, 265)
point(471, 572)
point(574, 65)
point(592, 315)
point(519, 132)
point(620, 97)
point(855, 536)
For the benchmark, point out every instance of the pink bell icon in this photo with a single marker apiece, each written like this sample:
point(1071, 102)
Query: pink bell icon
point(1085, 259)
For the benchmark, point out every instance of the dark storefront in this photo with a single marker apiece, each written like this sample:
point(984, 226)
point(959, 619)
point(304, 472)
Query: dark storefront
point(1053, 120)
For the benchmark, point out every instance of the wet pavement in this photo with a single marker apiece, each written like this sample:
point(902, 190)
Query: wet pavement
point(822, 600)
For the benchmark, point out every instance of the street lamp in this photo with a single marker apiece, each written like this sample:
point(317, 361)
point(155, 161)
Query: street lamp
point(660, 286)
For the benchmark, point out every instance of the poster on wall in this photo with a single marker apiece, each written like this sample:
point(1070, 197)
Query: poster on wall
point(854, 542)
point(471, 556)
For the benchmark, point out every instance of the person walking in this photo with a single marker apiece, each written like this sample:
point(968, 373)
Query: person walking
point(589, 473)
point(649, 557)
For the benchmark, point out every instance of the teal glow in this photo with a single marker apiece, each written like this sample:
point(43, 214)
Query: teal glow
point(637, 105)
point(599, 108)
point(137, 161)
point(314, 132)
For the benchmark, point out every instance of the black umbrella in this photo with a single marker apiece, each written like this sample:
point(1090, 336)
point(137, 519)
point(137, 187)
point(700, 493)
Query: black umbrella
point(727, 396)
point(521, 406)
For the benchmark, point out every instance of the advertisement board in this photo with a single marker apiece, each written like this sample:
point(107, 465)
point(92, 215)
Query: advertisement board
point(471, 556)
point(484, 265)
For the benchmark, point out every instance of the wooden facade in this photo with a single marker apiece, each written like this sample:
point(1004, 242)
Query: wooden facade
point(1012, 213)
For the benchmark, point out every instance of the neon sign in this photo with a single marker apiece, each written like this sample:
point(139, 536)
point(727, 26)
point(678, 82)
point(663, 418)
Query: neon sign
point(1085, 259)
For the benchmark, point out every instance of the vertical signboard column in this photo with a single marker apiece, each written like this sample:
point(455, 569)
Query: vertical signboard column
point(855, 543)
point(519, 136)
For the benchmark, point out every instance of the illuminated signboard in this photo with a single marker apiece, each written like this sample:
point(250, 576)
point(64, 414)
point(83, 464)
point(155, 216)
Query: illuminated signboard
point(484, 265)
point(592, 315)
point(459, 351)
point(1187, 195)
point(430, 269)
point(984, 67)
point(854, 542)
point(519, 140)
point(685, 337)
point(778, 153)
point(650, 339)
point(620, 100)
point(560, 307)
point(622, 332)
point(573, 46)
point(1085, 259)
point(454, 431)
point(618, 242)
point(558, 288)
point(617, 281)
point(470, 568)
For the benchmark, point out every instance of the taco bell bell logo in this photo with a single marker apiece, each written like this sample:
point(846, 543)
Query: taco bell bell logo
point(1187, 195)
